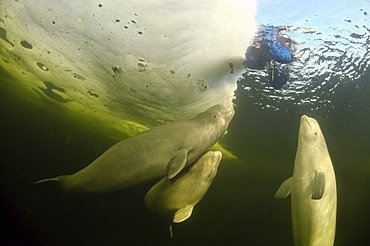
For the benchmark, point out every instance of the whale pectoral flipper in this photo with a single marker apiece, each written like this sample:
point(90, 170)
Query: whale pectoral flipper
point(318, 188)
point(284, 189)
point(183, 213)
point(177, 163)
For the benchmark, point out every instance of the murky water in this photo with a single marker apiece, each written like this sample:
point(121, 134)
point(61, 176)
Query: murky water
point(330, 81)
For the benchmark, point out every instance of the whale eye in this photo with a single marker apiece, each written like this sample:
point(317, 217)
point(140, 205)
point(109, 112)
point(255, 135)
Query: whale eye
point(315, 133)
point(214, 116)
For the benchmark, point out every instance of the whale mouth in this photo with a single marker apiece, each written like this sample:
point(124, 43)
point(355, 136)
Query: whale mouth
point(229, 109)
point(306, 118)
point(231, 112)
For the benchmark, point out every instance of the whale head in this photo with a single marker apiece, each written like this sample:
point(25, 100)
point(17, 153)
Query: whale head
point(216, 119)
point(205, 169)
point(310, 133)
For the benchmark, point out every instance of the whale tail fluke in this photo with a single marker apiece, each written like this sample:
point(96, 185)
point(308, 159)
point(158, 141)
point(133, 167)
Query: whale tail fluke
point(46, 180)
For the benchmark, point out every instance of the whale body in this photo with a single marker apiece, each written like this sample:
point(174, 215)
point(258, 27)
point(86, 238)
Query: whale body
point(312, 188)
point(175, 199)
point(161, 150)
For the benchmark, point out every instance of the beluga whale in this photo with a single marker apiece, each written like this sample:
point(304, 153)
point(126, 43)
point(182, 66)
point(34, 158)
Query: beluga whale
point(160, 151)
point(312, 188)
point(174, 199)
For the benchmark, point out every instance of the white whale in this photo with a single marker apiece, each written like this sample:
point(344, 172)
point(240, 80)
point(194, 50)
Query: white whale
point(162, 150)
point(312, 188)
point(175, 199)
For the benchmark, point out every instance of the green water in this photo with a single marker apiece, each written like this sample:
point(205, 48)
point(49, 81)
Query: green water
point(239, 208)
point(58, 114)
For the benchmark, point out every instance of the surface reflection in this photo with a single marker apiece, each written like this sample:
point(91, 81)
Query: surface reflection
point(332, 45)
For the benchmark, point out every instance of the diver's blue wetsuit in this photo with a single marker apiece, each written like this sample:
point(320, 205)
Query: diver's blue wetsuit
point(269, 49)
point(277, 50)
point(278, 75)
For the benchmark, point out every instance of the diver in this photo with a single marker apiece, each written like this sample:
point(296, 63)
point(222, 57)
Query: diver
point(273, 50)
